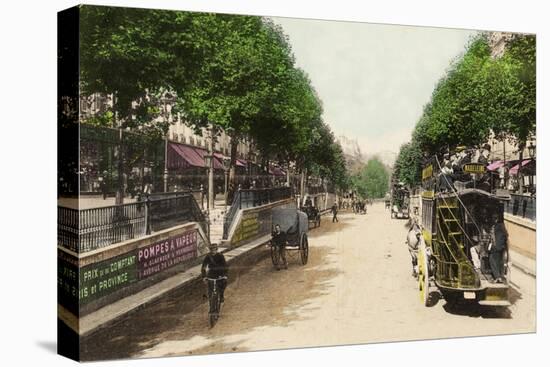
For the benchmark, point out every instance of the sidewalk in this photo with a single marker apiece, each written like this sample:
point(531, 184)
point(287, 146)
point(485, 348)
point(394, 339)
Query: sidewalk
point(523, 263)
point(111, 313)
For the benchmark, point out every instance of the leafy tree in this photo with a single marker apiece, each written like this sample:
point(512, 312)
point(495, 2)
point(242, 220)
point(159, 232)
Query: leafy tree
point(408, 165)
point(372, 181)
point(245, 61)
point(510, 85)
point(134, 56)
point(231, 72)
point(453, 116)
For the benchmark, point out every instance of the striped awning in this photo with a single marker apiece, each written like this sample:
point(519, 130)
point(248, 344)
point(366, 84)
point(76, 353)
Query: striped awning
point(514, 170)
point(495, 165)
point(183, 156)
point(203, 152)
point(186, 156)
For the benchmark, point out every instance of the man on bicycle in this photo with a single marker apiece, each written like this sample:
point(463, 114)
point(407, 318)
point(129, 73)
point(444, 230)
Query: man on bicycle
point(279, 241)
point(215, 267)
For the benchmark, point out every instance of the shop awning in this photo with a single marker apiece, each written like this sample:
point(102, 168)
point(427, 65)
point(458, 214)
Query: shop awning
point(495, 165)
point(220, 156)
point(514, 170)
point(203, 152)
point(183, 156)
point(238, 162)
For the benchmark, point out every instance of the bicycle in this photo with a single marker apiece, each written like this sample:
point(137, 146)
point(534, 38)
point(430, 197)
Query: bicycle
point(214, 299)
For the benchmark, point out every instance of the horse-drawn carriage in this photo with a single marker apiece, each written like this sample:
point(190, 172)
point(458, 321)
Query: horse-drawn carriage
point(463, 249)
point(399, 201)
point(313, 215)
point(294, 225)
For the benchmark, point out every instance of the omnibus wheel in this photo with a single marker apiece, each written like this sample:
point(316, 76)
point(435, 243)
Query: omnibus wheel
point(423, 275)
point(304, 249)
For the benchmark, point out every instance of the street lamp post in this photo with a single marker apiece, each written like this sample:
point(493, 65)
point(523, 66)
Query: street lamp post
point(165, 176)
point(520, 171)
point(166, 100)
point(532, 151)
point(209, 162)
point(251, 159)
point(226, 166)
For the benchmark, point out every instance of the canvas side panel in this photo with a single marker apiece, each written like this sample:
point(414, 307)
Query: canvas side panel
point(67, 184)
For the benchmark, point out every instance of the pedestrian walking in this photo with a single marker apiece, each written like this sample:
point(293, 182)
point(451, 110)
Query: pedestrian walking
point(334, 210)
point(103, 186)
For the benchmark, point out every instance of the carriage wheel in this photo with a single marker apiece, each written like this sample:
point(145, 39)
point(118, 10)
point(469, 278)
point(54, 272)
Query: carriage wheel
point(423, 275)
point(274, 256)
point(304, 249)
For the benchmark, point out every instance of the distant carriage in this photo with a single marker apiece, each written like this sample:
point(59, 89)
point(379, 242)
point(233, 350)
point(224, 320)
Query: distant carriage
point(399, 202)
point(313, 215)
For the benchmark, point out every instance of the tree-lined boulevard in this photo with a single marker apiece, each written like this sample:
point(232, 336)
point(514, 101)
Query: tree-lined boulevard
point(356, 288)
point(178, 83)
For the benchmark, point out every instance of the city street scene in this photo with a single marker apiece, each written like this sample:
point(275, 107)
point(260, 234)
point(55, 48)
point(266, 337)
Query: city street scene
point(233, 183)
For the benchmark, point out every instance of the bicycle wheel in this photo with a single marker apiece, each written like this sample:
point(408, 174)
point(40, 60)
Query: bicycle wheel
point(214, 308)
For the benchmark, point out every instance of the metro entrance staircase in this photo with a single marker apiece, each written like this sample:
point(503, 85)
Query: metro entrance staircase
point(216, 221)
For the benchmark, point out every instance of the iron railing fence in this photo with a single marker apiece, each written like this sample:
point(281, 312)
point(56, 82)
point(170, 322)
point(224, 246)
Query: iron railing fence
point(67, 228)
point(251, 198)
point(90, 229)
point(522, 206)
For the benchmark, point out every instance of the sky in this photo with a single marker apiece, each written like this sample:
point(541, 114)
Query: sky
point(373, 79)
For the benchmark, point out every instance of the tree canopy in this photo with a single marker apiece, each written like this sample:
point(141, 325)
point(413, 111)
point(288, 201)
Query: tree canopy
point(407, 168)
point(232, 72)
point(372, 180)
point(478, 97)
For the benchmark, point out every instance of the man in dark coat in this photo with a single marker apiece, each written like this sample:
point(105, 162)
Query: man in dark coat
point(496, 251)
point(215, 267)
point(279, 241)
point(334, 211)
